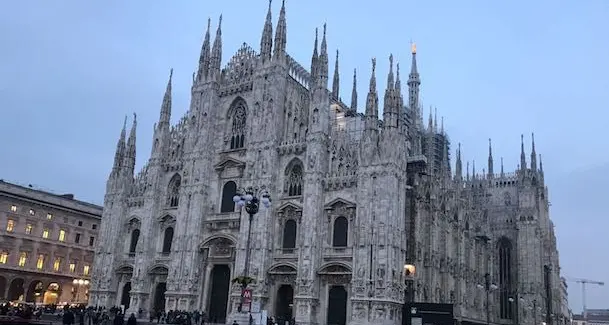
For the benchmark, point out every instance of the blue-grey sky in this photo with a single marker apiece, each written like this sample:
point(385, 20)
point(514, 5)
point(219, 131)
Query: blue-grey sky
point(72, 69)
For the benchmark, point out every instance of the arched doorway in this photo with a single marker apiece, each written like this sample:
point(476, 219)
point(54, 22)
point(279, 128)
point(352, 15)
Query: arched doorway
point(337, 305)
point(126, 295)
point(218, 297)
point(159, 297)
point(284, 303)
point(16, 290)
point(52, 294)
point(2, 287)
point(34, 291)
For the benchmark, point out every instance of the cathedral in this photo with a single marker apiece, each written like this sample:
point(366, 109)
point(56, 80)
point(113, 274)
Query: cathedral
point(367, 212)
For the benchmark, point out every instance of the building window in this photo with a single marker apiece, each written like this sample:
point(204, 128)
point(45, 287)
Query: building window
point(228, 192)
point(238, 118)
point(62, 235)
point(135, 236)
point(72, 267)
point(80, 223)
point(167, 240)
point(40, 262)
point(293, 178)
point(57, 264)
point(45, 233)
point(22, 259)
point(77, 239)
point(13, 208)
point(85, 270)
point(10, 225)
point(91, 241)
point(32, 212)
point(340, 232)
point(289, 235)
point(49, 216)
point(94, 227)
point(28, 228)
point(3, 258)
point(505, 278)
point(173, 191)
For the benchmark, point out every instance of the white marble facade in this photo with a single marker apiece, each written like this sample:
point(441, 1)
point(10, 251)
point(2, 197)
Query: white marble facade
point(355, 197)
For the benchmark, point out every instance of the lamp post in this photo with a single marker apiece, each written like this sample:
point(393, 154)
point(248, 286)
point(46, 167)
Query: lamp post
point(77, 284)
point(249, 199)
point(409, 272)
point(488, 287)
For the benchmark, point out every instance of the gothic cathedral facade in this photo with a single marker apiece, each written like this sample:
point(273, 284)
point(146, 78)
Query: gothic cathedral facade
point(355, 197)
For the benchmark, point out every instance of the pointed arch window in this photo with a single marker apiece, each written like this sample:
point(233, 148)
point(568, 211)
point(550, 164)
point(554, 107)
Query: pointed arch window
point(294, 178)
point(167, 240)
point(339, 232)
point(289, 236)
point(135, 236)
point(173, 191)
point(228, 192)
point(237, 118)
point(505, 278)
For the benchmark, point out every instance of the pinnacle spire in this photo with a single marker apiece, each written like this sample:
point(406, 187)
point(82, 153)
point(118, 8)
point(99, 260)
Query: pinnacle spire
point(205, 57)
point(281, 34)
point(266, 42)
point(323, 60)
point(502, 174)
point(473, 169)
point(354, 91)
point(398, 82)
point(523, 160)
point(467, 175)
point(336, 79)
point(390, 79)
point(130, 153)
point(166, 106)
point(414, 84)
point(533, 153)
point(315, 60)
point(120, 148)
point(459, 164)
point(216, 52)
point(372, 109)
point(490, 159)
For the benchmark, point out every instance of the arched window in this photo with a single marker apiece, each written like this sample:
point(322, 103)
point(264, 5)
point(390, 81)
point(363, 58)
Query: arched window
point(293, 180)
point(238, 117)
point(289, 235)
point(228, 192)
point(135, 236)
point(339, 232)
point(505, 278)
point(167, 239)
point(173, 191)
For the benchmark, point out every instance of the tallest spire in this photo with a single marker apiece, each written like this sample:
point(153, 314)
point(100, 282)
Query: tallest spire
point(281, 34)
point(205, 57)
point(490, 159)
point(120, 149)
point(266, 42)
point(166, 106)
point(216, 52)
point(533, 153)
point(323, 61)
point(414, 83)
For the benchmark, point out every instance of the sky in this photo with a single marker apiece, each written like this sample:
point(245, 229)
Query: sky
point(71, 70)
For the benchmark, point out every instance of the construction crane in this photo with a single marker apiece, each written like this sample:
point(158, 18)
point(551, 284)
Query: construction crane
point(583, 282)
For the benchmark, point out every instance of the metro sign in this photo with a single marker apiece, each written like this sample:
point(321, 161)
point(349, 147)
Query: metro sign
point(247, 296)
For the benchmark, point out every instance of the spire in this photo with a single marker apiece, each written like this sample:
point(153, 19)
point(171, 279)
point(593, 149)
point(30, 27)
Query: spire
point(315, 61)
point(390, 79)
point(323, 61)
point(490, 159)
point(336, 80)
point(398, 82)
point(430, 123)
point(354, 91)
point(166, 106)
point(435, 119)
point(540, 164)
point(414, 84)
point(266, 42)
point(120, 148)
point(459, 164)
point(281, 34)
point(216, 52)
point(204, 58)
point(372, 108)
point(442, 124)
point(474, 169)
point(389, 110)
point(130, 154)
point(523, 160)
point(502, 174)
point(467, 172)
point(533, 153)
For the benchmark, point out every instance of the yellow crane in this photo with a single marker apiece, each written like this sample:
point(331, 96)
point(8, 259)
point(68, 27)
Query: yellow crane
point(583, 283)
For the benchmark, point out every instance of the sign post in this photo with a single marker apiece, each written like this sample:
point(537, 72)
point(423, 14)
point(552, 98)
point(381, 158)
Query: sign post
point(247, 300)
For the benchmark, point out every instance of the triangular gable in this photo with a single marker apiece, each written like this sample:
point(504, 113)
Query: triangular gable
point(229, 162)
point(287, 205)
point(346, 203)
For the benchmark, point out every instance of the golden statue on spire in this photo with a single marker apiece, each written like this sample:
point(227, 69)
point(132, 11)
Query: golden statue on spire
point(413, 47)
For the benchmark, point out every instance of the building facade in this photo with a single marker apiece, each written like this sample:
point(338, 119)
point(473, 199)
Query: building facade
point(46, 245)
point(356, 197)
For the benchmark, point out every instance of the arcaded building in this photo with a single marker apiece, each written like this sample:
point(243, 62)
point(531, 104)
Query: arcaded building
point(46, 245)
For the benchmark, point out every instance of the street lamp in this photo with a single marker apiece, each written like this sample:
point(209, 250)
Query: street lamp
point(77, 284)
point(248, 199)
point(488, 287)
point(409, 273)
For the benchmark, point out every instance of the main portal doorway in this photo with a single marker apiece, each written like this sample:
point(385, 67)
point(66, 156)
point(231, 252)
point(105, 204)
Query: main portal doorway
point(337, 305)
point(218, 297)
